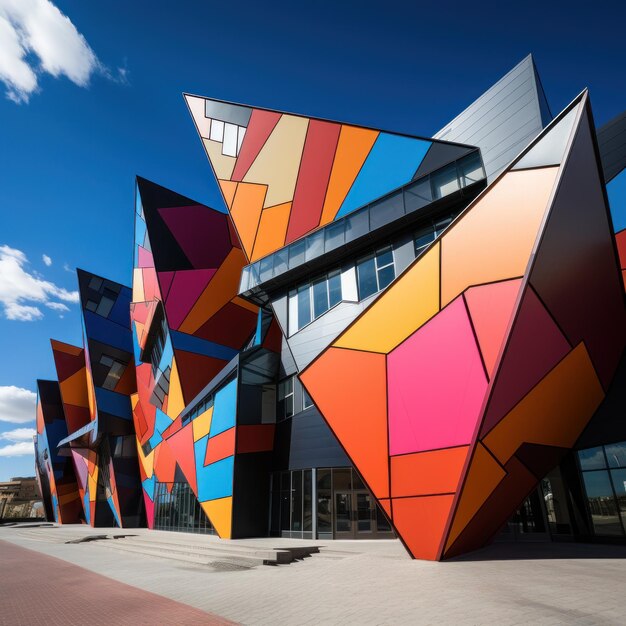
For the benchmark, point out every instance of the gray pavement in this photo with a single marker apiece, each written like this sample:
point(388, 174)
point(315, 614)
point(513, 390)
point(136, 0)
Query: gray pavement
point(372, 582)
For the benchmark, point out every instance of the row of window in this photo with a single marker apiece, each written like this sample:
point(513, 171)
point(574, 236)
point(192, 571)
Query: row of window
point(286, 404)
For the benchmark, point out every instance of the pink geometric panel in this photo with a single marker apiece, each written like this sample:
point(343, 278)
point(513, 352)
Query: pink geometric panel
point(150, 285)
point(491, 308)
point(201, 232)
point(185, 290)
point(535, 346)
point(80, 464)
point(436, 384)
point(145, 258)
point(165, 280)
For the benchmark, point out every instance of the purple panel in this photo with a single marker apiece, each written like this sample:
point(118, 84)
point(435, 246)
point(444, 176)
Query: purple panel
point(576, 271)
point(201, 232)
point(535, 346)
point(165, 282)
point(185, 290)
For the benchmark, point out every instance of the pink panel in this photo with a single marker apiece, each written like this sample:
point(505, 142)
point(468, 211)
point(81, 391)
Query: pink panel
point(145, 258)
point(185, 290)
point(149, 510)
point(436, 384)
point(150, 286)
point(491, 308)
point(80, 465)
point(165, 281)
point(536, 345)
point(201, 232)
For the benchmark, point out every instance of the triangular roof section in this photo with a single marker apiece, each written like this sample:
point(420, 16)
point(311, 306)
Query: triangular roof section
point(504, 119)
point(283, 175)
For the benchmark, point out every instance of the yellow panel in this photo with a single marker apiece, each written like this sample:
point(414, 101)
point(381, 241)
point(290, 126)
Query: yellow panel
point(246, 213)
point(93, 485)
point(352, 149)
point(175, 400)
point(134, 400)
point(494, 239)
point(555, 412)
point(74, 388)
point(483, 477)
point(202, 424)
point(147, 461)
point(138, 292)
point(223, 165)
point(228, 191)
point(91, 395)
point(278, 162)
point(218, 292)
point(220, 512)
point(406, 305)
point(197, 108)
point(272, 230)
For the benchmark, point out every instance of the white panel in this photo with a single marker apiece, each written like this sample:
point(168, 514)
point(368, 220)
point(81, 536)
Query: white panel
point(230, 140)
point(293, 314)
point(217, 131)
point(240, 136)
point(349, 291)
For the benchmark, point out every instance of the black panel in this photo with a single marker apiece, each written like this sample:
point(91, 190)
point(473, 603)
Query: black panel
point(612, 146)
point(305, 441)
point(438, 155)
point(251, 495)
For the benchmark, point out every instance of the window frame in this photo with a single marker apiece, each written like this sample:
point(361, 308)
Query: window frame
point(377, 269)
point(308, 287)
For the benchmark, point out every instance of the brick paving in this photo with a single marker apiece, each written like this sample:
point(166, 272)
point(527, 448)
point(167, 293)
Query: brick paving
point(36, 589)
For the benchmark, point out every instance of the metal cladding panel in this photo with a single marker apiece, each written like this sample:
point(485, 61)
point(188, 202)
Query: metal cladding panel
point(612, 145)
point(310, 442)
point(503, 120)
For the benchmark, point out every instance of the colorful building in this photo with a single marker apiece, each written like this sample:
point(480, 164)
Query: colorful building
point(384, 335)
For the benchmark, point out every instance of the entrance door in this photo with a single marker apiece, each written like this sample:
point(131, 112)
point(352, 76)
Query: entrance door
point(355, 515)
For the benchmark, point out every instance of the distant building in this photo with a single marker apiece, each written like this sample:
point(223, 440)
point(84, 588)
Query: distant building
point(20, 498)
point(385, 335)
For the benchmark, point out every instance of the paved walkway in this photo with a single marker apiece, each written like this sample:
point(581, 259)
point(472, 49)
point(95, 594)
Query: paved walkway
point(38, 589)
point(374, 583)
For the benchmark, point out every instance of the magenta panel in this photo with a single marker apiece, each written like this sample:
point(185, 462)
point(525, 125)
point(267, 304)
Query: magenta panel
point(185, 290)
point(81, 469)
point(535, 346)
point(202, 233)
point(436, 384)
point(145, 258)
point(165, 281)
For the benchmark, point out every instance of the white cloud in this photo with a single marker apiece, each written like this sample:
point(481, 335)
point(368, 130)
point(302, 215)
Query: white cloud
point(36, 38)
point(46, 259)
point(22, 448)
point(20, 290)
point(57, 306)
point(19, 434)
point(17, 405)
point(67, 268)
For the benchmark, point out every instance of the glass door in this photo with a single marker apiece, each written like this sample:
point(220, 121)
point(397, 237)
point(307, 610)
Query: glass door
point(344, 518)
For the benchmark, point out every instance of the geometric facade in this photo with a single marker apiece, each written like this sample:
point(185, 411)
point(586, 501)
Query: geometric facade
point(384, 335)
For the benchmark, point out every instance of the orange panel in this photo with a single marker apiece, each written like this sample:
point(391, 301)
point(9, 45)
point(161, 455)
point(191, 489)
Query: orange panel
point(421, 523)
point(494, 239)
point(352, 149)
point(423, 473)
point(228, 191)
point(555, 412)
point(246, 212)
point(223, 286)
point(385, 503)
point(272, 230)
point(349, 388)
point(220, 446)
point(483, 477)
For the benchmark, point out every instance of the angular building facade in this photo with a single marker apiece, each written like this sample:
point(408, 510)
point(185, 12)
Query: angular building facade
point(383, 336)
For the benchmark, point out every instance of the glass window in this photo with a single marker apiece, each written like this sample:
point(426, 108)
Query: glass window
point(95, 283)
point(320, 297)
point(375, 272)
point(334, 234)
point(445, 181)
point(387, 210)
point(296, 253)
point(471, 169)
point(304, 306)
point(418, 195)
point(602, 503)
point(616, 454)
point(314, 245)
point(307, 402)
point(357, 225)
point(324, 501)
point(285, 398)
point(592, 458)
point(307, 524)
point(296, 501)
point(314, 299)
point(91, 306)
point(423, 237)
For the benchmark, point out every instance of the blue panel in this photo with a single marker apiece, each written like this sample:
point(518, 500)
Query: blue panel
point(258, 339)
point(215, 480)
point(189, 343)
point(616, 191)
point(108, 333)
point(120, 313)
point(162, 421)
point(112, 507)
point(224, 409)
point(55, 508)
point(113, 403)
point(167, 355)
point(392, 162)
point(136, 347)
point(148, 486)
point(86, 506)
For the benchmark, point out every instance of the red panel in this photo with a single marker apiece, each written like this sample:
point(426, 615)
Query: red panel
point(165, 282)
point(76, 416)
point(181, 445)
point(220, 446)
point(620, 239)
point(257, 438)
point(231, 326)
point(195, 372)
point(274, 337)
point(260, 127)
point(187, 286)
point(315, 167)
point(66, 363)
point(127, 384)
point(164, 463)
point(535, 346)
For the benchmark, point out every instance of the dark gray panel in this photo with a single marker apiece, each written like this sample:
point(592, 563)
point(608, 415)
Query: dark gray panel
point(233, 113)
point(438, 155)
point(612, 146)
point(576, 270)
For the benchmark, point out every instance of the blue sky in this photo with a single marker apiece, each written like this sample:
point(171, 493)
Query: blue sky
point(111, 108)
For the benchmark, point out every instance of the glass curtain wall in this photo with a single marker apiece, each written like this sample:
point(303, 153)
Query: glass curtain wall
point(176, 508)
